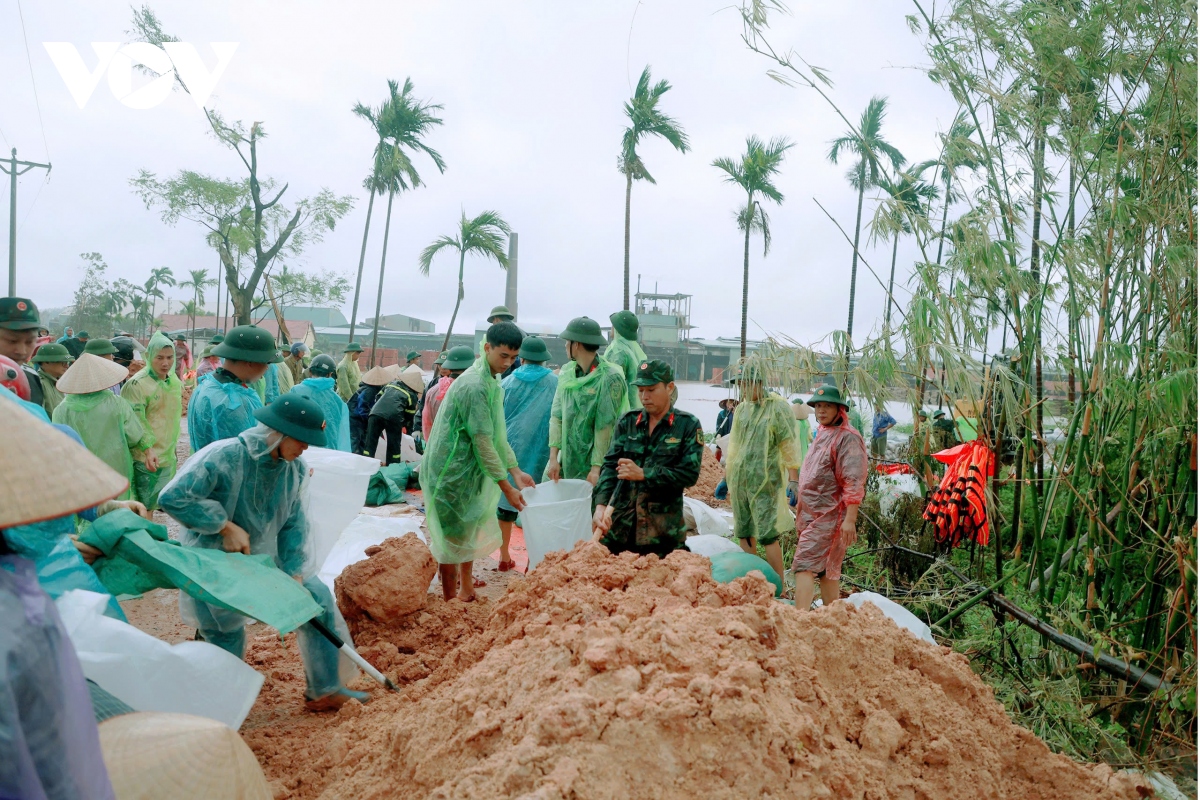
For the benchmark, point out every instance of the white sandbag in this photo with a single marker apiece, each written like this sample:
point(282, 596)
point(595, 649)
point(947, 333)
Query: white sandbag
point(895, 612)
point(892, 487)
point(408, 450)
point(708, 521)
point(366, 530)
point(150, 675)
point(557, 515)
point(333, 496)
point(708, 545)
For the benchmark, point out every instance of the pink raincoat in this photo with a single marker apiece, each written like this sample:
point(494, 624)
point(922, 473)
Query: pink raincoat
point(834, 476)
point(432, 403)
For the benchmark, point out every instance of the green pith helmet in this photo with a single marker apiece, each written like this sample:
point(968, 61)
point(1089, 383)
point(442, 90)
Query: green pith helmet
point(217, 339)
point(179, 337)
point(19, 314)
point(51, 352)
point(99, 347)
point(353, 347)
point(922, 415)
point(828, 394)
point(461, 357)
point(295, 416)
point(441, 359)
point(83, 336)
point(411, 355)
point(650, 373)
point(249, 343)
point(533, 349)
point(323, 366)
point(585, 331)
point(502, 312)
point(939, 414)
point(625, 323)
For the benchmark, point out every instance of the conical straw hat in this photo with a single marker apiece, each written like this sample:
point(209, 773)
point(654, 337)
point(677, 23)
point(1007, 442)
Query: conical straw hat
point(32, 449)
point(412, 378)
point(91, 373)
point(376, 376)
point(393, 371)
point(159, 756)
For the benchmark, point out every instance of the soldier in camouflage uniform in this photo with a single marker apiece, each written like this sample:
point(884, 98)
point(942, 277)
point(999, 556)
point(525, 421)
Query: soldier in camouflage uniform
point(655, 455)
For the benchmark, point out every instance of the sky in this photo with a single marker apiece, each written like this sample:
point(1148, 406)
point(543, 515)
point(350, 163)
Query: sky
point(533, 97)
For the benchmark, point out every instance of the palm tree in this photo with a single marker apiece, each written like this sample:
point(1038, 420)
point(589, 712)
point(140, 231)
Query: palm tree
point(159, 277)
point(404, 120)
point(868, 144)
point(151, 293)
point(905, 204)
point(754, 173)
point(140, 305)
point(484, 235)
point(645, 119)
point(198, 283)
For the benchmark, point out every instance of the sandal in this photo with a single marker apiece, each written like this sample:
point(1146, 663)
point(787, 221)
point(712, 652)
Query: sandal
point(470, 599)
point(505, 566)
point(478, 583)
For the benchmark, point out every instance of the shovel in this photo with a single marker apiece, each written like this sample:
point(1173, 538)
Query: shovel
point(351, 654)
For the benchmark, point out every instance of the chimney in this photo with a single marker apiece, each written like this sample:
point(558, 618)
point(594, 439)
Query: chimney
point(510, 286)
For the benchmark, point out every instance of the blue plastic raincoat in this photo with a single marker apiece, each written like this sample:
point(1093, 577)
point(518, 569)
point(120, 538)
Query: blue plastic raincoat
point(322, 391)
point(220, 411)
point(528, 399)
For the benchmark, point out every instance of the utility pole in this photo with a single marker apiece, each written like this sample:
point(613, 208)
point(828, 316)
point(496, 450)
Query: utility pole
point(12, 170)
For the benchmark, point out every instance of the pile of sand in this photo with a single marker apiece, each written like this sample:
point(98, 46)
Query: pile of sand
point(620, 677)
point(391, 582)
point(711, 473)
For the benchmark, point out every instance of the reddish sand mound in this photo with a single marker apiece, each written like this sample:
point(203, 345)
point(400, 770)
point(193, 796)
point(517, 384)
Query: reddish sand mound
point(392, 582)
point(602, 677)
point(711, 473)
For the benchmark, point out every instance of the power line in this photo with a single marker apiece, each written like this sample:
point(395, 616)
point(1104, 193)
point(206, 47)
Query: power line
point(29, 60)
point(28, 211)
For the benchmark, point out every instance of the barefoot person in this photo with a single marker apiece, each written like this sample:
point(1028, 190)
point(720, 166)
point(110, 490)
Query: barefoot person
point(243, 495)
point(656, 453)
point(831, 487)
point(467, 464)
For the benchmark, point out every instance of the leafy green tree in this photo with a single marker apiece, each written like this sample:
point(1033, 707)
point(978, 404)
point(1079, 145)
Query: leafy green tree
point(754, 173)
point(404, 121)
point(906, 204)
point(244, 216)
point(484, 235)
point(198, 282)
point(868, 144)
point(645, 120)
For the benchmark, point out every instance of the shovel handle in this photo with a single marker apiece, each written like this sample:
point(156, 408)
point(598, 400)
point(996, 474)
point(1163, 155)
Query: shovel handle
point(352, 654)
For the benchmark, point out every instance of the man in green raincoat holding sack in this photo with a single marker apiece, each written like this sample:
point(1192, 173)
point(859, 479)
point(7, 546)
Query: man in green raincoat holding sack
point(761, 465)
point(625, 351)
point(590, 398)
point(156, 395)
point(467, 464)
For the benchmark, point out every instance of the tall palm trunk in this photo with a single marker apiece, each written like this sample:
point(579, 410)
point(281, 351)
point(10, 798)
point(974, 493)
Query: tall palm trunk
point(887, 317)
point(153, 307)
point(462, 255)
point(387, 225)
point(746, 271)
point(862, 189)
point(628, 194)
point(362, 255)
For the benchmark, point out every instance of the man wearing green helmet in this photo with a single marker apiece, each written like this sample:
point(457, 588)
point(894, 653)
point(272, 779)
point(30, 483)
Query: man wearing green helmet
point(19, 323)
point(625, 351)
point(590, 398)
point(244, 495)
point(223, 404)
point(52, 361)
point(831, 487)
point(349, 376)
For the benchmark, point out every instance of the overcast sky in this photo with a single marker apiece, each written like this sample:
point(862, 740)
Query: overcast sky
point(533, 95)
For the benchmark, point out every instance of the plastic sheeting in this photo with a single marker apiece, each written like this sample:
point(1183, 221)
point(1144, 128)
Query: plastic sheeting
point(556, 516)
point(528, 399)
point(708, 545)
point(333, 496)
point(762, 447)
point(728, 567)
point(108, 427)
point(895, 612)
point(707, 521)
point(360, 534)
point(149, 674)
point(337, 413)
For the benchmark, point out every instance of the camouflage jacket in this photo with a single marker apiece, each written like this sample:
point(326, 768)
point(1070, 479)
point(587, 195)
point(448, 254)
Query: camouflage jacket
point(648, 514)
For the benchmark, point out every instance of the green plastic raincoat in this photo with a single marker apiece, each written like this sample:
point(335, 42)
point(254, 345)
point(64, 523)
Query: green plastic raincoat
point(158, 404)
point(51, 396)
point(803, 439)
point(466, 458)
point(585, 411)
point(628, 355)
point(108, 426)
point(762, 448)
point(349, 377)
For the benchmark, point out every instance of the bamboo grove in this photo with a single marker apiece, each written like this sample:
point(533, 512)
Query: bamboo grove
point(1056, 290)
